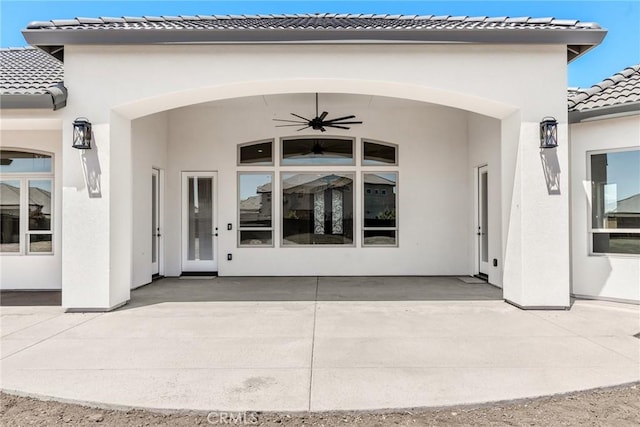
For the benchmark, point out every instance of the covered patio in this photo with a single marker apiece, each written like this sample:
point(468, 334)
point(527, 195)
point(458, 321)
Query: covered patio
point(315, 343)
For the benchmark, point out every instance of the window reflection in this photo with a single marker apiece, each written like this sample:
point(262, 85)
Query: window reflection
point(10, 216)
point(256, 209)
point(24, 162)
point(615, 192)
point(380, 198)
point(317, 151)
point(317, 209)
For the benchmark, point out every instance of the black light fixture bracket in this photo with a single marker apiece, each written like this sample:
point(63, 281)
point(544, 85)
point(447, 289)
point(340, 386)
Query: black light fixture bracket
point(548, 132)
point(82, 133)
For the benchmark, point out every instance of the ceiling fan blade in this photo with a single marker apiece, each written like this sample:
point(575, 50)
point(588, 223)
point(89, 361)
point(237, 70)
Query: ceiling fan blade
point(300, 117)
point(322, 129)
point(344, 123)
point(323, 115)
point(290, 121)
point(298, 124)
point(341, 118)
point(335, 126)
point(303, 128)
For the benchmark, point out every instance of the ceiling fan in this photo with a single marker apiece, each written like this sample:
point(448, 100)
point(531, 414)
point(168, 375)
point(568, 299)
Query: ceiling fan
point(319, 122)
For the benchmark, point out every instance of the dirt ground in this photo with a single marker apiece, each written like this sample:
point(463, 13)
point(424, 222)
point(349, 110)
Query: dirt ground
point(619, 406)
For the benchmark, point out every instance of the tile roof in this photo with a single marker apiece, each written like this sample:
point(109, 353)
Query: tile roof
point(621, 88)
point(313, 21)
point(28, 71)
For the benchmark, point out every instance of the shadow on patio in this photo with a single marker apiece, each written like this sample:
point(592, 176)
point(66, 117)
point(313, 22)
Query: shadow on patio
point(256, 289)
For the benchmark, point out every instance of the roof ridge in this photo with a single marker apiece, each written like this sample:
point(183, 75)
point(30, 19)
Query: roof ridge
point(394, 17)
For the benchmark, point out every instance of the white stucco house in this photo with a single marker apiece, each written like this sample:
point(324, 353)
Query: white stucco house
point(323, 144)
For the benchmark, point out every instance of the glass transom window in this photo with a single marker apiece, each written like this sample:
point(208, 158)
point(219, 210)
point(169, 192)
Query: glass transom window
point(317, 151)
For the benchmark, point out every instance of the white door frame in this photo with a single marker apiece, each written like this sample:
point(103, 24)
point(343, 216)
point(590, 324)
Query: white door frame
point(199, 265)
point(157, 268)
point(481, 218)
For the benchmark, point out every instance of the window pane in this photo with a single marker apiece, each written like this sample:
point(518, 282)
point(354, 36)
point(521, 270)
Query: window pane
point(257, 154)
point(616, 243)
point(200, 211)
point(378, 154)
point(256, 237)
point(40, 243)
point(18, 161)
point(615, 189)
point(317, 151)
point(379, 237)
point(10, 216)
point(317, 209)
point(380, 199)
point(40, 204)
point(255, 200)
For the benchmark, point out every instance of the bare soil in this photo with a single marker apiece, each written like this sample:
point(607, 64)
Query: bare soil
point(618, 406)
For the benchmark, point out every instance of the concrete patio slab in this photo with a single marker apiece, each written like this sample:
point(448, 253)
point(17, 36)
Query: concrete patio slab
point(316, 344)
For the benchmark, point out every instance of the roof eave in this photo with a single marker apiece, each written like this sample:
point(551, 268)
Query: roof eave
point(610, 111)
point(44, 38)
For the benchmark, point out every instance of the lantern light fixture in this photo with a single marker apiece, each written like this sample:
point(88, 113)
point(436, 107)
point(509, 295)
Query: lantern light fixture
point(548, 133)
point(82, 133)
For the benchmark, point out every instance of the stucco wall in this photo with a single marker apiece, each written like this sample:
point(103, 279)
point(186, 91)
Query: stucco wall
point(149, 151)
point(433, 220)
point(595, 275)
point(36, 271)
point(516, 84)
point(484, 149)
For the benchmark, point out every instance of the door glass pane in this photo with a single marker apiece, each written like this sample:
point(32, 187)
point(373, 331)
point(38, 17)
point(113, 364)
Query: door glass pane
point(10, 216)
point(154, 216)
point(40, 243)
point(200, 219)
point(484, 207)
point(40, 205)
point(378, 154)
point(317, 209)
point(317, 151)
point(19, 161)
point(615, 190)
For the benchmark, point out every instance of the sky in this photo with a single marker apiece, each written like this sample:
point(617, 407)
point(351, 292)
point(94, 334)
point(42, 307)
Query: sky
point(620, 48)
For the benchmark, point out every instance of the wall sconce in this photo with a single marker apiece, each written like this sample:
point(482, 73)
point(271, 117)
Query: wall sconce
point(82, 133)
point(548, 133)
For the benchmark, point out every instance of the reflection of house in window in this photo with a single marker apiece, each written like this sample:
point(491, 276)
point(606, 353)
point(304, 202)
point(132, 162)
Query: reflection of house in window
point(615, 210)
point(255, 211)
point(379, 205)
point(317, 208)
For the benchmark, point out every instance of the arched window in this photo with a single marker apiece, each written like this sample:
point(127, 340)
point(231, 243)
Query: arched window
point(26, 202)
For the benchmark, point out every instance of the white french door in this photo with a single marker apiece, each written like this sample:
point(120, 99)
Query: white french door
point(155, 222)
point(482, 224)
point(199, 223)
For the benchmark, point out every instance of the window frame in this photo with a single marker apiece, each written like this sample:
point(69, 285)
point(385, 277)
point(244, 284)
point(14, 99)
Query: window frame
point(592, 231)
point(397, 204)
point(24, 178)
point(272, 229)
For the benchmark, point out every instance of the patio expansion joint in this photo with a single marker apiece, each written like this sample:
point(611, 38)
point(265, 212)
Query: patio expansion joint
point(50, 336)
point(576, 334)
point(313, 341)
point(32, 325)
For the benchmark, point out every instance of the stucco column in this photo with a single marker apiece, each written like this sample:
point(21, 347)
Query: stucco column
point(535, 216)
point(96, 215)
